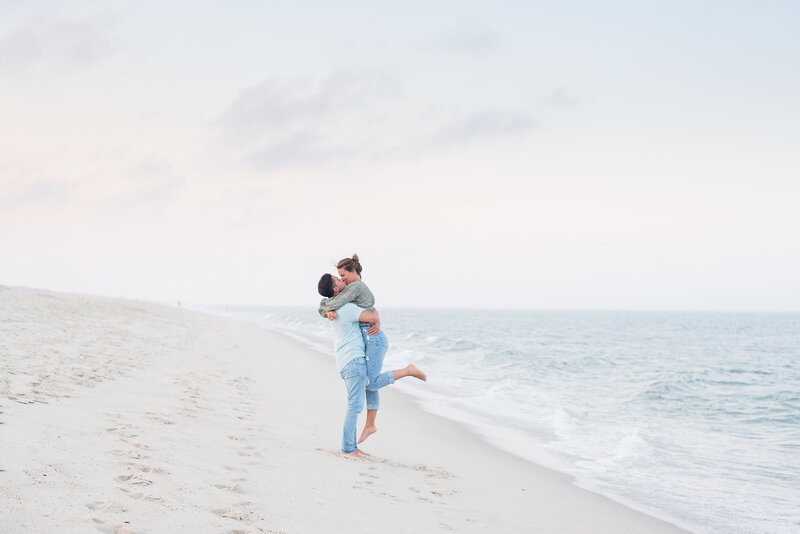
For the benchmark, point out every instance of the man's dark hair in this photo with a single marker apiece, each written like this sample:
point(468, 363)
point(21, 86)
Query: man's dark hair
point(325, 286)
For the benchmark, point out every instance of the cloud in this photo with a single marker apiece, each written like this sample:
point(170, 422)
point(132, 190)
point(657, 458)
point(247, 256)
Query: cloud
point(485, 125)
point(277, 104)
point(152, 194)
point(39, 192)
point(561, 98)
point(303, 122)
point(468, 36)
point(50, 43)
point(302, 149)
point(151, 166)
point(349, 115)
point(148, 181)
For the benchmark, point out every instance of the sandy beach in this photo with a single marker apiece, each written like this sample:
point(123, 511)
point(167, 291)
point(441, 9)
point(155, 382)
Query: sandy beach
point(131, 417)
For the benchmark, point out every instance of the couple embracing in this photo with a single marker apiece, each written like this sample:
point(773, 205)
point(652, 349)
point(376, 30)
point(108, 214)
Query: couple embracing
point(361, 346)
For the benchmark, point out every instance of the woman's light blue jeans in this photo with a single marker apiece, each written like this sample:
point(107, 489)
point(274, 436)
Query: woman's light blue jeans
point(376, 347)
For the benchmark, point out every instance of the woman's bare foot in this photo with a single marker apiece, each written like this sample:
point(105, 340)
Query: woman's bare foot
point(416, 373)
point(367, 432)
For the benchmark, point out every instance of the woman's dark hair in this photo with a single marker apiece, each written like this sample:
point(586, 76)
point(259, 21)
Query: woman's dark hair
point(350, 264)
point(325, 286)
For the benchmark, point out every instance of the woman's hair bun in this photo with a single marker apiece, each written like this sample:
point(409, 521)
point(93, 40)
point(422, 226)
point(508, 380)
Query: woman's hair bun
point(350, 264)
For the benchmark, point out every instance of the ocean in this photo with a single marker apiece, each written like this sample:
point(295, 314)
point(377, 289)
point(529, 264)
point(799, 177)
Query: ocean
point(692, 417)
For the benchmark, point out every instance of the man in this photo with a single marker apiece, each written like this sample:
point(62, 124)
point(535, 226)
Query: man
point(351, 361)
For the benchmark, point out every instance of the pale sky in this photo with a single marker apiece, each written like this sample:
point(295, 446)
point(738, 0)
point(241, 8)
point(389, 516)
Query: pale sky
point(615, 155)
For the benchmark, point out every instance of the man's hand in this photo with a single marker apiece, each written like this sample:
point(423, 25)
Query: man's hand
point(332, 315)
point(374, 329)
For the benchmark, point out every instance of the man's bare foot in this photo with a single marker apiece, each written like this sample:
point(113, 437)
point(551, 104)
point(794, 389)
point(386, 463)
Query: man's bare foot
point(416, 373)
point(367, 432)
point(358, 453)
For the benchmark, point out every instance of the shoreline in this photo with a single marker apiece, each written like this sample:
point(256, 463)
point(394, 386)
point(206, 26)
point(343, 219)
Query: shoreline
point(417, 400)
point(135, 417)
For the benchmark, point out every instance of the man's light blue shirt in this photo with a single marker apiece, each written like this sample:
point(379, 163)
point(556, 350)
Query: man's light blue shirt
point(349, 341)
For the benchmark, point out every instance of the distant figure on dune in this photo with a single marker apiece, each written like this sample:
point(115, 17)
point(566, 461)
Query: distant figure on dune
point(361, 347)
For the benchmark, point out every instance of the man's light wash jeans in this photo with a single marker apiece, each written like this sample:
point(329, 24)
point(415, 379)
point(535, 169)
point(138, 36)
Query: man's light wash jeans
point(354, 374)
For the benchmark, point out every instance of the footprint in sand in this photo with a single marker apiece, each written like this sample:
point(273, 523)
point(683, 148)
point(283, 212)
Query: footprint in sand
point(238, 515)
point(438, 473)
point(260, 529)
point(133, 478)
point(111, 529)
point(147, 468)
point(108, 506)
point(236, 488)
point(122, 431)
point(138, 495)
point(135, 454)
point(159, 418)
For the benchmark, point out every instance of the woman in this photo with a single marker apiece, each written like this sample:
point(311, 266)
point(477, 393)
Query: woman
point(375, 342)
